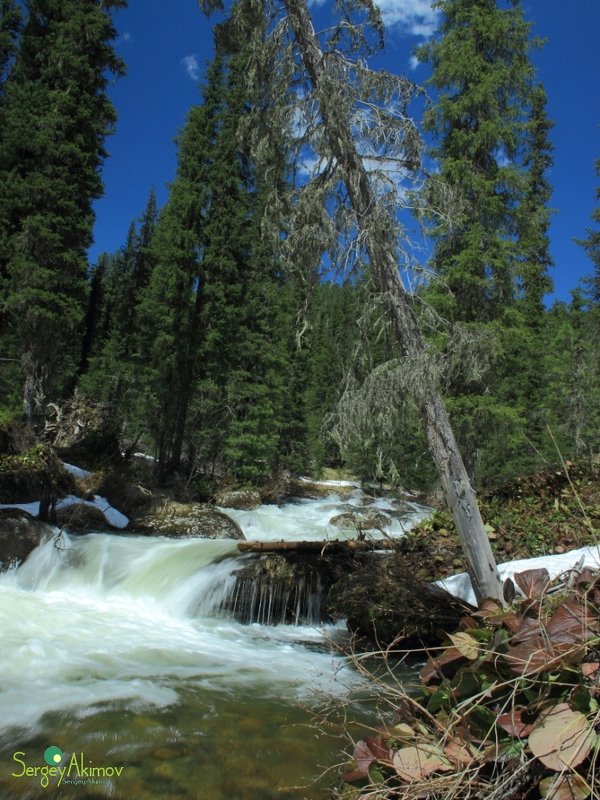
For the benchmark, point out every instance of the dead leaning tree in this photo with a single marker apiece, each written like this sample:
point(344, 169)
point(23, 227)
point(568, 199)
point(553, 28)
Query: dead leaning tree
point(377, 234)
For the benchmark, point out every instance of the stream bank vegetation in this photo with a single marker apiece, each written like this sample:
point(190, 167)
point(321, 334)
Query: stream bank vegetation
point(508, 707)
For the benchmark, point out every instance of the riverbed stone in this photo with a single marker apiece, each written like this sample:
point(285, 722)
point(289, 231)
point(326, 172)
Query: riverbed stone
point(196, 520)
point(363, 520)
point(245, 499)
point(80, 518)
point(315, 490)
point(20, 534)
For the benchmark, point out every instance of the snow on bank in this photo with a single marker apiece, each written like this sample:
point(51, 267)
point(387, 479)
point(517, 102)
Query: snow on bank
point(460, 585)
point(111, 515)
point(30, 508)
point(355, 484)
point(76, 471)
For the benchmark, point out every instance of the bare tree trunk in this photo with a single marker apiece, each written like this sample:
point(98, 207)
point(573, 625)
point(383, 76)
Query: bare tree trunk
point(459, 493)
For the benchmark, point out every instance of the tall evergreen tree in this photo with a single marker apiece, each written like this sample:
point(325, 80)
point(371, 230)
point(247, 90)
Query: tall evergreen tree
point(10, 26)
point(213, 345)
point(491, 132)
point(56, 114)
point(116, 287)
point(591, 244)
point(482, 72)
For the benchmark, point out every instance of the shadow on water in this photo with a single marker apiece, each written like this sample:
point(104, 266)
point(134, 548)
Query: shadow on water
point(208, 746)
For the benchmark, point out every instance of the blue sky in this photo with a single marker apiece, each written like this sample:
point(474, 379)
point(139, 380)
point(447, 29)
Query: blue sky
point(166, 53)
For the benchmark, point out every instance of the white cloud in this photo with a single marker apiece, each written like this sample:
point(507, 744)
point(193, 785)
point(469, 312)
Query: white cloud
point(416, 17)
point(413, 62)
point(190, 63)
point(126, 36)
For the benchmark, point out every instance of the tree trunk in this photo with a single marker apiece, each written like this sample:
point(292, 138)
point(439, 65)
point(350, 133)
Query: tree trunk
point(459, 493)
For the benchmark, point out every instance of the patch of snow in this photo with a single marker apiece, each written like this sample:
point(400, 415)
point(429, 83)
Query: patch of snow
point(356, 484)
point(112, 516)
point(31, 508)
point(76, 471)
point(460, 585)
point(145, 456)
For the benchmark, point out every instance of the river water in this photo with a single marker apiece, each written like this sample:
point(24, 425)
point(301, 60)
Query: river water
point(115, 653)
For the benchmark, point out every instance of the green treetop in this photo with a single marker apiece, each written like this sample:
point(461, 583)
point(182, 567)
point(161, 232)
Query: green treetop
point(56, 114)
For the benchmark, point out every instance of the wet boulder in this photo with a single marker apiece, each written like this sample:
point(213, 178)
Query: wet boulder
point(361, 520)
point(245, 499)
point(20, 534)
point(316, 490)
point(181, 520)
point(80, 518)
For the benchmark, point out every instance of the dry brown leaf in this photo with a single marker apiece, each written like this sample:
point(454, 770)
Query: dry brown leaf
point(415, 763)
point(532, 582)
point(461, 753)
point(465, 644)
point(561, 738)
point(590, 669)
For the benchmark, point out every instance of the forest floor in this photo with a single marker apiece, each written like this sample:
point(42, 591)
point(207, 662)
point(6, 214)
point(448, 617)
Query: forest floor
point(552, 511)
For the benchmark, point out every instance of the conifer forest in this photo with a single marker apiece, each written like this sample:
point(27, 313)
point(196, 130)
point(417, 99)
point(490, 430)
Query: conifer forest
point(247, 328)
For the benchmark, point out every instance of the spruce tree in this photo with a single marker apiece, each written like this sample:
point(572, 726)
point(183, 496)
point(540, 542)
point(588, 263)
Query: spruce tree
point(491, 260)
point(116, 288)
point(591, 244)
point(56, 114)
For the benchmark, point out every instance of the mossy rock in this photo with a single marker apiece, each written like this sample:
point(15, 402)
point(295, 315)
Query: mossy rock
point(80, 517)
point(314, 490)
point(38, 473)
point(245, 499)
point(181, 520)
point(131, 498)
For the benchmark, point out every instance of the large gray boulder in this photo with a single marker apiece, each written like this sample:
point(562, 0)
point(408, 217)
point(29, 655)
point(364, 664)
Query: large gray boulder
point(181, 520)
point(20, 534)
point(245, 499)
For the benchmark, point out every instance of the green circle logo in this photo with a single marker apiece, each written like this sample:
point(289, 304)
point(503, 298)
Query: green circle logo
point(53, 755)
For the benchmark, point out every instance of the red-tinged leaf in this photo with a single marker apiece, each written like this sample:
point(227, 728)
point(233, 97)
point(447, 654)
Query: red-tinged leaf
point(565, 787)
point(590, 669)
point(435, 666)
point(586, 576)
point(514, 723)
point(529, 657)
point(370, 749)
point(569, 624)
point(561, 738)
point(487, 607)
point(533, 582)
point(380, 750)
point(529, 628)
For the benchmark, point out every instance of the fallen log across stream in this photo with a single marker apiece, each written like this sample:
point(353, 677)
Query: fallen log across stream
point(320, 546)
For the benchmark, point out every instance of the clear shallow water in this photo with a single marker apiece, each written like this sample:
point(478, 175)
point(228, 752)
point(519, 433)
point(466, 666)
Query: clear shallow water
point(113, 646)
